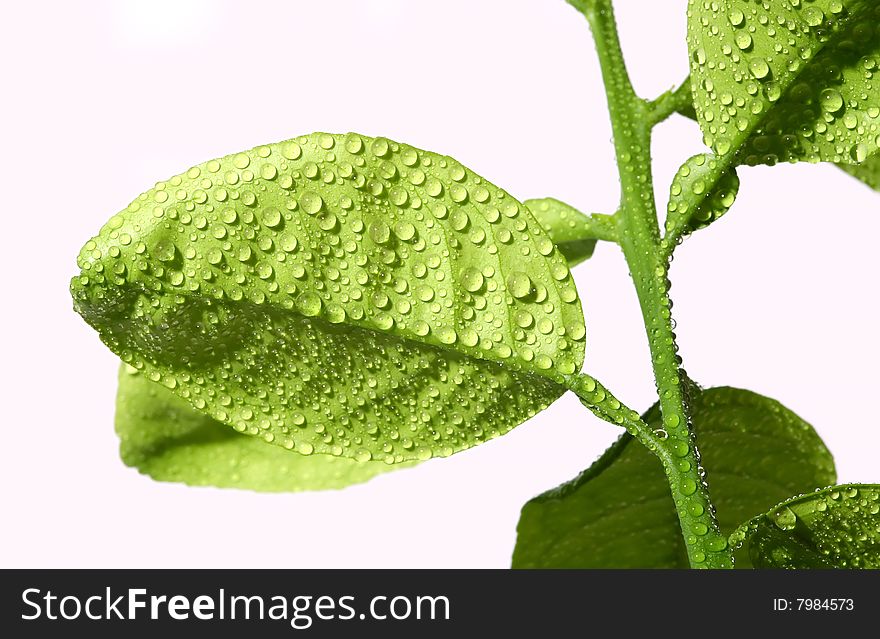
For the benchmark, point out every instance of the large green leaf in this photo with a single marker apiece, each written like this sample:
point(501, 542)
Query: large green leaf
point(868, 172)
point(619, 513)
point(574, 233)
point(787, 81)
point(164, 437)
point(838, 527)
point(338, 294)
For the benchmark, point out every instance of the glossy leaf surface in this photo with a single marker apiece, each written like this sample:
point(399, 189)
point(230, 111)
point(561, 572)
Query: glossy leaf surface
point(787, 81)
point(688, 186)
point(868, 171)
point(338, 294)
point(164, 437)
point(838, 527)
point(619, 513)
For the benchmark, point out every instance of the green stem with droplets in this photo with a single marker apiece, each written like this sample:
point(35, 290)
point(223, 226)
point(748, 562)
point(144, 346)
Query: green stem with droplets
point(676, 100)
point(603, 227)
point(606, 406)
point(639, 237)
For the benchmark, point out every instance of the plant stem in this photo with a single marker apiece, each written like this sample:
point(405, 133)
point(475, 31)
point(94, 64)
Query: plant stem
point(606, 406)
point(639, 237)
point(676, 100)
point(603, 227)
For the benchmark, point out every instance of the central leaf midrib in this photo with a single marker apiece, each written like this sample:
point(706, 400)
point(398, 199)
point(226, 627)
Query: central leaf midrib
point(140, 287)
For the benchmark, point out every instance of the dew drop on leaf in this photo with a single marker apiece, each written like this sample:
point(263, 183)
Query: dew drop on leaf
point(519, 284)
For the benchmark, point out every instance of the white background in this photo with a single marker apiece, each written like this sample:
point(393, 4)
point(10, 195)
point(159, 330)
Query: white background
point(100, 100)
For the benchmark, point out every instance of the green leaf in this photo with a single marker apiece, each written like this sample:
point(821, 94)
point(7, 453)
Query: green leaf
point(787, 81)
point(838, 527)
point(868, 171)
point(688, 185)
point(619, 512)
point(573, 232)
point(164, 437)
point(338, 294)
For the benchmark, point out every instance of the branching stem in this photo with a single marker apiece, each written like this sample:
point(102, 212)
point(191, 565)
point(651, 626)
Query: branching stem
point(639, 236)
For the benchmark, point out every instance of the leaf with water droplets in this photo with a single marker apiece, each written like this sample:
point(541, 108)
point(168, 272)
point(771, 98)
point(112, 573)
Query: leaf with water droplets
point(574, 233)
point(619, 512)
point(164, 437)
point(338, 294)
point(838, 527)
point(692, 203)
point(787, 81)
point(868, 171)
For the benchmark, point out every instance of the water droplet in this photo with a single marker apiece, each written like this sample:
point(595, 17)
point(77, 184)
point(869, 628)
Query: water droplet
point(813, 16)
point(291, 150)
point(784, 518)
point(271, 217)
point(688, 487)
point(165, 251)
point(241, 160)
point(311, 202)
point(459, 220)
point(327, 221)
point(379, 147)
point(447, 335)
point(736, 17)
point(524, 319)
point(831, 100)
point(405, 231)
point(744, 41)
point(472, 279)
point(309, 304)
point(759, 68)
point(379, 232)
point(519, 284)
point(859, 152)
point(288, 242)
